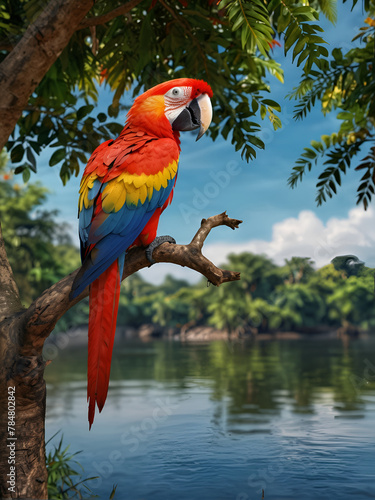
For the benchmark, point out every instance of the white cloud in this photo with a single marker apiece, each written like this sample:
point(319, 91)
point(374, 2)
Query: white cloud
point(308, 236)
point(156, 274)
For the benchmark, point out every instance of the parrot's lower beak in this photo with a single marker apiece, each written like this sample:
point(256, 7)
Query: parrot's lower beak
point(197, 115)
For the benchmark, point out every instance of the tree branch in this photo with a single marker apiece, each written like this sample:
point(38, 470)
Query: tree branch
point(41, 317)
point(120, 11)
point(10, 302)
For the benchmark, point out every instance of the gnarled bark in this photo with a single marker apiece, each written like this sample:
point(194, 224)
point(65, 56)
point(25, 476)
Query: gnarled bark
point(10, 301)
point(22, 336)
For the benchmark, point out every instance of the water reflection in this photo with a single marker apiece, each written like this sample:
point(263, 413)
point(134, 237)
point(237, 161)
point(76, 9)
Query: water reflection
point(224, 421)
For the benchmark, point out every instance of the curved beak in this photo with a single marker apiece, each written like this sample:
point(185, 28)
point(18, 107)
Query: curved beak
point(197, 115)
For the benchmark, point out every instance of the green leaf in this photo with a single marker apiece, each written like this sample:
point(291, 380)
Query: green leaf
point(309, 153)
point(17, 153)
point(345, 115)
point(30, 156)
point(249, 152)
point(327, 140)
point(25, 175)
point(337, 177)
point(245, 34)
point(304, 54)
point(317, 145)
point(57, 156)
point(332, 186)
point(240, 20)
point(291, 39)
point(113, 111)
point(329, 10)
point(299, 46)
point(84, 111)
point(256, 141)
point(272, 104)
point(323, 51)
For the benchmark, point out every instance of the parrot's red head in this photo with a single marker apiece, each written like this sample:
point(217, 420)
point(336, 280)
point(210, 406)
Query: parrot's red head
point(170, 107)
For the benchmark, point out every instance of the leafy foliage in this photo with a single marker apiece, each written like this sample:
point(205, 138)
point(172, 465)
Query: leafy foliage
point(299, 269)
point(367, 182)
point(291, 297)
point(62, 474)
point(38, 247)
point(354, 301)
point(228, 43)
point(346, 84)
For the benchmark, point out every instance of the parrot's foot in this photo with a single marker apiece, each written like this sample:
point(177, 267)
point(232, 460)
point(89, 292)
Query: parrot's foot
point(154, 244)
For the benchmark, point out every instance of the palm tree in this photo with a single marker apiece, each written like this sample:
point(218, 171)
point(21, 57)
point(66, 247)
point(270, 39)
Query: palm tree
point(299, 269)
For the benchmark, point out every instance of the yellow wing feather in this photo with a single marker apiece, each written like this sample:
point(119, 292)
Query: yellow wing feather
point(129, 188)
point(86, 184)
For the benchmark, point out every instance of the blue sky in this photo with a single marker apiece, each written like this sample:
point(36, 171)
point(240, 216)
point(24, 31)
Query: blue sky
point(213, 178)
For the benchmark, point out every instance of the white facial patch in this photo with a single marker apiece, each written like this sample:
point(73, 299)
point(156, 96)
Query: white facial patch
point(175, 100)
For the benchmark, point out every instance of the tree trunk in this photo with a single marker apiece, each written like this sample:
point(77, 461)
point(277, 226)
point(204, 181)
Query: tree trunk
point(22, 397)
point(23, 472)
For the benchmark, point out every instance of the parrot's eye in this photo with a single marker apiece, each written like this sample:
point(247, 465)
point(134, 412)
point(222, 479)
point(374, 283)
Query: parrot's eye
point(175, 92)
point(178, 95)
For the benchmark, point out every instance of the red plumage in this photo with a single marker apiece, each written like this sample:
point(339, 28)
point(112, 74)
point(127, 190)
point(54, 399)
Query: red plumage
point(104, 299)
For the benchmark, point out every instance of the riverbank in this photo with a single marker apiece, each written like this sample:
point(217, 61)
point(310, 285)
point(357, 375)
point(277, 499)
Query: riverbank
point(78, 336)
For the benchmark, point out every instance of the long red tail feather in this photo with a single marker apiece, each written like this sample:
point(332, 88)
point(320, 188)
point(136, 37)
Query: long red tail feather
point(104, 299)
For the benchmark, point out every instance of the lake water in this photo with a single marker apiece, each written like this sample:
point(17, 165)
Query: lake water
point(224, 421)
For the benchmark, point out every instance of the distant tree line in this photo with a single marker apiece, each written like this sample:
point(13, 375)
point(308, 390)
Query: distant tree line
point(293, 297)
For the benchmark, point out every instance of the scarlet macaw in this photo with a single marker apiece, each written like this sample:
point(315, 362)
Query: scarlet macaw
point(125, 187)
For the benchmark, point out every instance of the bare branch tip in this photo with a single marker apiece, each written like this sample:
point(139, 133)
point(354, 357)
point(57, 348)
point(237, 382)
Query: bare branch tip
point(234, 223)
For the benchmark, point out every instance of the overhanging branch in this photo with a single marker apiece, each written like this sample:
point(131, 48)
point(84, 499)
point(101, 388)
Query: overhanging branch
point(41, 317)
point(105, 18)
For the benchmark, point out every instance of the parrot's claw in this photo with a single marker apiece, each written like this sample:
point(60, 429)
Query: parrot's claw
point(154, 244)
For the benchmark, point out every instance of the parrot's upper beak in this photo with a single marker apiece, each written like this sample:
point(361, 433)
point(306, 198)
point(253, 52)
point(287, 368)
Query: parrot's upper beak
point(197, 115)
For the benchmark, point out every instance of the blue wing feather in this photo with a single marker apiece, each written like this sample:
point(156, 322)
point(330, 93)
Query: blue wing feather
point(114, 235)
point(94, 191)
